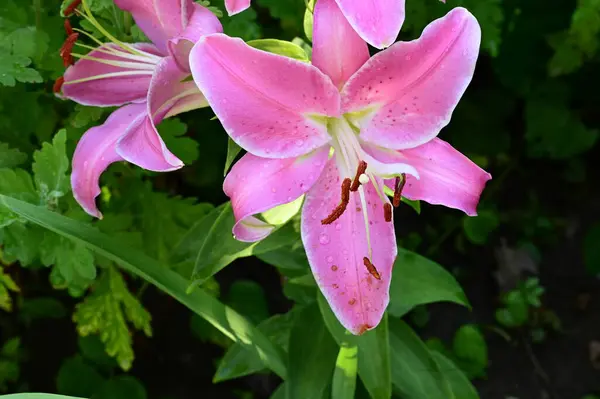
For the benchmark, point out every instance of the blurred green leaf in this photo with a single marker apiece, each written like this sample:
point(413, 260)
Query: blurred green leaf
point(373, 351)
point(225, 319)
point(238, 361)
point(470, 347)
point(311, 356)
point(415, 373)
point(248, 298)
point(478, 228)
point(591, 249)
point(77, 378)
point(37, 396)
point(7, 285)
point(10, 157)
point(121, 387)
point(459, 383)
point(173, 132)
point(280, 47)
point(346, 369)
point(417, 280)
point(232, 152)
point(41, 308)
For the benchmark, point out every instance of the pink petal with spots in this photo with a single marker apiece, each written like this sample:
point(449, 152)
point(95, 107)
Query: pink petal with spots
point(236, 6)
point(110, 90)
point(96, 151)
point(336, 251)
point(142, 145)
point(257, 184)
point(447, 177)
point(378, 22)
point(409, 91)
point(272, 106)
point(337, 50)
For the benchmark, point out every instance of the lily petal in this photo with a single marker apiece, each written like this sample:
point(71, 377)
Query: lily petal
point(236, 6)
point(160, 20)
point(142, 145)
point(408, 92)
point(336, 251)
point(337, 50)
point(447, 177)
point(201, 22)
point(96, 151)
point(377, 22)
point(117, 85)
point(257, 184)
point(270, 105)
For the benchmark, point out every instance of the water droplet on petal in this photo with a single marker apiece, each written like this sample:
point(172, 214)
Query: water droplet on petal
point(330, 259)
point(299, 142)
point(338, 226)
point(324, 239)
point(273, 190)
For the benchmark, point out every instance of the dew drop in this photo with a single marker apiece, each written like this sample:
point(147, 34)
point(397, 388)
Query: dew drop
point(299, 142)
point(273, 190)
point(324, 239)
point(338, 226)
point(330, 259)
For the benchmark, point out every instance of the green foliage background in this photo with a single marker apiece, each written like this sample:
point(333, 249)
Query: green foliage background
point(530, 117)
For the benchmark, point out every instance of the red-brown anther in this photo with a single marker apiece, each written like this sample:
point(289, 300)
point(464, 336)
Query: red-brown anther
point(71, 7)
point(362, 167)
point(339, 210)
point(398, 186)
point(387, 212)
point(67, 48)
point(68, 28)
point(371, 268)
point(58, 84)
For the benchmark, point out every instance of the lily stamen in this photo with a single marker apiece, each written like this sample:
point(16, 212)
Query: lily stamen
point(58, 84)
point(362, 167)
point(71, 8)
point(398, 186)
point(67, 48)
point(68, 28)
point(339, 210)
point(371, 268)
point(387, 212)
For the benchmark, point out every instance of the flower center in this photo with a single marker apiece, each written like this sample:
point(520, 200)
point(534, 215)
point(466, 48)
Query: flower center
point(131, 60)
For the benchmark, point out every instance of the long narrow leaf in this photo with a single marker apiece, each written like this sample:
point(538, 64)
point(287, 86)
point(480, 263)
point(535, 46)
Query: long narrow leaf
point(232, 324)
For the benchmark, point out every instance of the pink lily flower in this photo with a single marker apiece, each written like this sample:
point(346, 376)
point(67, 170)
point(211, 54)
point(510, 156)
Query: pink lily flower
point(147, 80)
point(379, 117)
point(377, 22)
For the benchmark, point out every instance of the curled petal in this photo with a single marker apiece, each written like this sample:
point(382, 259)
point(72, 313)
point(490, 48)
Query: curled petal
point(201, 22)
point(405, 95)
point(236, 6)
point(337, 50)
point(272, 106)
point(447, 177)
point(160, 20)
point(142, 145)
point(96, 151)
point(336, 252)
point(257, 184)
point(377, 22)
point(107, 79)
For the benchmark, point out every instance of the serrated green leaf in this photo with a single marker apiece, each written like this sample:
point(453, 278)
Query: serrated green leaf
point(172, 131)
point(107, 311)
point(14, 68)
point(10, 157)
point(225, 319)
point(417, 280)
point(7, 285)
point(50, 166)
